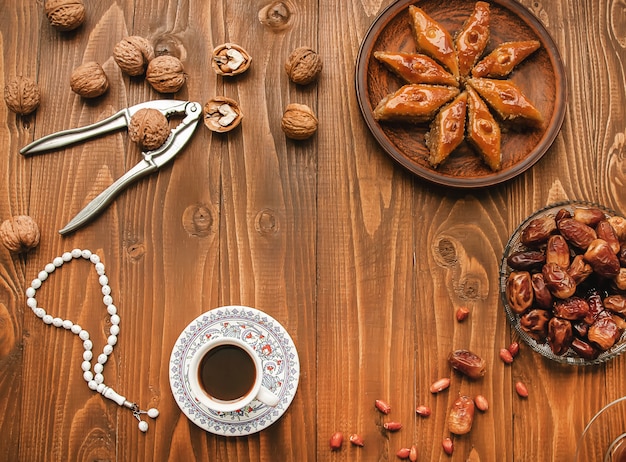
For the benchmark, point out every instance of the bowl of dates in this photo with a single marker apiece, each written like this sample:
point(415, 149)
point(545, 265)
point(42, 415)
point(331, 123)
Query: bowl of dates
point(563, 282)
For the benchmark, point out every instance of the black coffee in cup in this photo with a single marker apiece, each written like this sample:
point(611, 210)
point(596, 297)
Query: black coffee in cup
point(227, 372)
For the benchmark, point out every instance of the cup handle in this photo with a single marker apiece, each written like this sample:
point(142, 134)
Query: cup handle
point(267, 397)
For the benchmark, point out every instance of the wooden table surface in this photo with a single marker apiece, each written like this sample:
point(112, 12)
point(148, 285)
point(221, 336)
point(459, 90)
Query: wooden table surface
point(362, 262)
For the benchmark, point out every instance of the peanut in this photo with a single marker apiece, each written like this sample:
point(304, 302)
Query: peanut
point(481, 403)
point(336, 440)
point(448, 446)
point(392, 426)
point(382, 406)
point(403, 453)
point(462, 313)
point(513, 349)
point(423, 411)
point(356, 440)
point(506, 356)
point(521, 389)
point(440, 385)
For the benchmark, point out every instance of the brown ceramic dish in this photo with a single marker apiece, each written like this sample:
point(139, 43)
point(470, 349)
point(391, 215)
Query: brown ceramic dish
point(541, 77)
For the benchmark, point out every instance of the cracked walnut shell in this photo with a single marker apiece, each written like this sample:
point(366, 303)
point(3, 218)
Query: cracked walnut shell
point(166, 74)
point(20, 233)
point(149, 128)
point(89, 80)
point(303, 66)
point(222, 114)
point(65, 15)
point(132, 54)
point(230, 59)
point(22, 95)
point(299, 121)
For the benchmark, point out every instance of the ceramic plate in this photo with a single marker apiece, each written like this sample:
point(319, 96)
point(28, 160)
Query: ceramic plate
point(541, 77)
point(265, 335)
point(513, 245)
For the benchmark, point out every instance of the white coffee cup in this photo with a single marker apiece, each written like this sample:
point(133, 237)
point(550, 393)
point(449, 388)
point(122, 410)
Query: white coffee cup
point(230, 377)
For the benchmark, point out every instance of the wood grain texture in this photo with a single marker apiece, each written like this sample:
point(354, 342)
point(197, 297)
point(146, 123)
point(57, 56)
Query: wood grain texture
point(362, 262)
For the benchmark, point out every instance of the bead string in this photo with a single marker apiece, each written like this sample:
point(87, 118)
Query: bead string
point(95, 379)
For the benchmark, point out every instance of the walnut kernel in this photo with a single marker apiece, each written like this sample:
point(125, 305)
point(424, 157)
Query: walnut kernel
point(65, 15)
point(303, 66)
point(89, 80)
point(166, 74)
point(22, 95)
point(20, 233)
point(299, 121)
point(230, 59)
point(132, 54)
point(148, 128)
point(222, 114)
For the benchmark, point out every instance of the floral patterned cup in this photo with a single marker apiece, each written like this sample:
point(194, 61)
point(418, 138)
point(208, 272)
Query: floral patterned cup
point(226, 374)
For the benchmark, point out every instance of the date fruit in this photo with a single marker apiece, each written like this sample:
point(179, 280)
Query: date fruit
point(583, 349)
point(577, 233)
point(538, 231)
point(573, 308)
point(519, 291)
point(526, 260)
point(615, 303)
point(557, 251)
point(461, 416)
point(560, 335)
point(535, 324)
point(468, 363)
point(590, 216)
point(579, 269)
point(558, 281)
point(602, 259)
point(605, 231)
point(604, 332)
point(543, 297)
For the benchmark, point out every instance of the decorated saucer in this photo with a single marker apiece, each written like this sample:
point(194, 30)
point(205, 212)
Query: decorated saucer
point(266, 336)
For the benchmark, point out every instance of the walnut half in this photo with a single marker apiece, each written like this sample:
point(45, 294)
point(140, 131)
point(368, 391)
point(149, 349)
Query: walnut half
point(230, 59)
point(222, 114)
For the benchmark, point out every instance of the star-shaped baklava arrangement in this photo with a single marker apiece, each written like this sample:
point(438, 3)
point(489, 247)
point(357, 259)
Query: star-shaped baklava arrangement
point(449, 83)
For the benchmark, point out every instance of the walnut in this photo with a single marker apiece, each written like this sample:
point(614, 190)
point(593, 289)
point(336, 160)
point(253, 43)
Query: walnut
point(230, 59)
point(65, 15)
point(303, 66)
point(22, 95)
point(89, 80)
point(166, 74)
point(222, 114)
point(148, 128)
point(20, 233)
point(299, 121)
point(132, 54)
